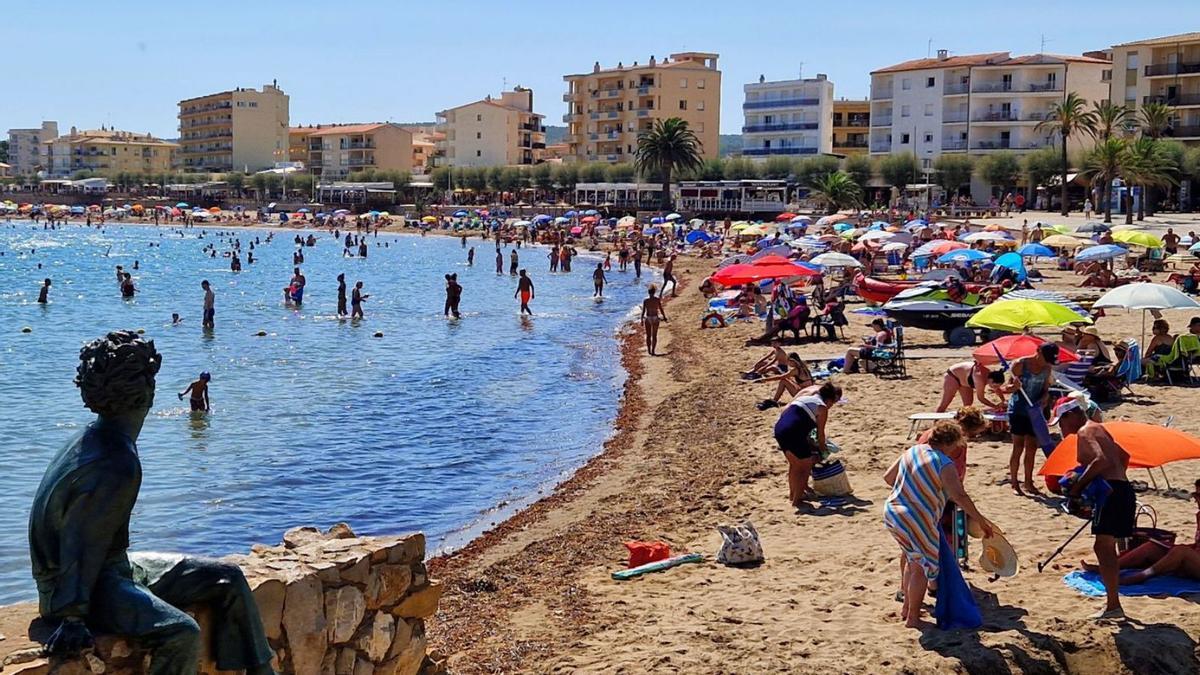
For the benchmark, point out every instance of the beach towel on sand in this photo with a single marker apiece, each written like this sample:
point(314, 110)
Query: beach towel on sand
point(955, 606)
point(1090, 585)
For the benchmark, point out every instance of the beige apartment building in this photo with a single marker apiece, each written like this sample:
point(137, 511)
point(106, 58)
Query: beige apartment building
point(492, 132)
point(425, 143)
point(241, 129)
point(851, 126)
point(25, 148)
point(1164, 70)
point(608, 108)
point(336, 151)
point(108, 152)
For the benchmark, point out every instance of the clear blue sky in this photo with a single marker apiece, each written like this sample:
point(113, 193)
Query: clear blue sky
point(129, 63)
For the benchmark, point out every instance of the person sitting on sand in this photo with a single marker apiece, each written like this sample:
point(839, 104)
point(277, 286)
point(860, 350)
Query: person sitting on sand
point(774, 363)
point(199, 393)
point(795, 378)
point(922, 479)
point(1153, 559)
point(707, 288)
point(794, 432)
point(883, 336)
point(970, 379)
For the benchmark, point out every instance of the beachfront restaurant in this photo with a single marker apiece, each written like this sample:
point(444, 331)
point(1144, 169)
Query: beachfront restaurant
point(631, 196)
point(751, 197)
point(344, 192)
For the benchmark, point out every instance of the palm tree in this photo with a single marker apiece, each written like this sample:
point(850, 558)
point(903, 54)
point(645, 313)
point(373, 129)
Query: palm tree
point(1105, 163)
point(1147, 165)
point(1155, 119)
point(1109, 119)
point(664, 148)
point(1067, 118)
point(837, 190)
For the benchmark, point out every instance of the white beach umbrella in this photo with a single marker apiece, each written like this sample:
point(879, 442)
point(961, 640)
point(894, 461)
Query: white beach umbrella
point(986, 236)
point(894, 246)
point(836, 260)
point(877, 235)
point(1145, 296)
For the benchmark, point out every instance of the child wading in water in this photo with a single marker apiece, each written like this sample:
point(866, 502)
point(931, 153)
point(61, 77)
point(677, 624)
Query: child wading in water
point(199, 391)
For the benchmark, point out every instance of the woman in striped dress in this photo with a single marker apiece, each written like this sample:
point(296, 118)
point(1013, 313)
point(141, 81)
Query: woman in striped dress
point(922, 479)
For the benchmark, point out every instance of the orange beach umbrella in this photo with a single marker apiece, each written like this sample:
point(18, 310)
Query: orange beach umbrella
point(1148, 445)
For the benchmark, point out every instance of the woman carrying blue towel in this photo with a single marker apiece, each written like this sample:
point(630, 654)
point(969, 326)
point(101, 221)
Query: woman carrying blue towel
point(922, 479)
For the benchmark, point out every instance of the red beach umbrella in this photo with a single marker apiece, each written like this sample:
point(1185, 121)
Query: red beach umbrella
point(736, 275)
point(1013, 347)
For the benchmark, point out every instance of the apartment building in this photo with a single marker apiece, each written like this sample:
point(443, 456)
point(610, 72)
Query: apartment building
point(851, 126)
point(492, 132)
point(335, 151)
point(241, 129)
point(424, 145)
point(108, 152)
point(1163, 70)
point(25, 147)
point(298, 143)
point(787, 117)
point(608, 108)
point(976, 104)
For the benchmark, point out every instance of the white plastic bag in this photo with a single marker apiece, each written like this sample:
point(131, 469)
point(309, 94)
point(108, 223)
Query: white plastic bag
point(739, 544)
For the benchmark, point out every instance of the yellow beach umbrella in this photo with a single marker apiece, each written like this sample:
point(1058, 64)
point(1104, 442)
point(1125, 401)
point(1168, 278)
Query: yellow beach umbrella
point(758, 230)
point(1063, 241)
point(739, 226)
point(1144, 239)
point(427, 219)
point(1125, 227)
point(1017, 315)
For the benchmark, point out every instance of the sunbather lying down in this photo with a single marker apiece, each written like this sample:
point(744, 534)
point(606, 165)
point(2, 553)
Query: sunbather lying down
point(1152, 559)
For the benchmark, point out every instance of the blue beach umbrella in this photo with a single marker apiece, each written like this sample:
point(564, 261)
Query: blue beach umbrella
point(541, 218)
point(570, 214)
point(879, 225)
point(652, 231)
point(1195, 247)
point(1013, 262)
point(461, 213)
point(562, 220)
point(1101, 252)
point(373, 213)
point(656, 221)
point(1035, 251)
point(303, 211)
point(698, 235)
point(181, 205)
point(963, 255)
point(842, 227)
point(591, 212)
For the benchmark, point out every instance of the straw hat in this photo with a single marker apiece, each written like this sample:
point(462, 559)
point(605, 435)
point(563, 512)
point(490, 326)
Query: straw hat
point(997, 556)
point(976, 532)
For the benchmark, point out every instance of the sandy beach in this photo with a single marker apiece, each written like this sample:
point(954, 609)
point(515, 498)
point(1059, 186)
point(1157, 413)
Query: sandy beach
point(691, 452)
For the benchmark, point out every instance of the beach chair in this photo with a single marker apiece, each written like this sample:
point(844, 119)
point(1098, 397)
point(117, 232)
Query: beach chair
point(888, 360)
point(1178, 364)
point(1076, 371)
point(1130, 368)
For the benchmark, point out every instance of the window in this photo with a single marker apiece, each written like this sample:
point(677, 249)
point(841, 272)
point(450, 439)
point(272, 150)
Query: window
point(929, 110)
point(253, 104)
point(479, 153)
point(700, 83)
point(904, 111)
point(478, 135)
point(682, 104)
point(479, 118)
point(699, 105)
point(903, 139)
point(700, 128)
point(906, 84)
point(929, 83)
point(768, 119)
point(928, 138)
point(1132, 61)
point(683, 83)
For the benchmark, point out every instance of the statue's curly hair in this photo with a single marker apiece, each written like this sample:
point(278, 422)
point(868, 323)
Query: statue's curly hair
point(116, 373)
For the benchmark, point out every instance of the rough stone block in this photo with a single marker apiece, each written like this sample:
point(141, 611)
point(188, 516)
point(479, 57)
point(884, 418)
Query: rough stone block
point(344, 609)
point(356, 573)
point(299, 536)
point(411, 550)
point(341, 531)
point(403, 635)
point(378, 639)
point(305, 624)
point(387, 584)
point(269, 596)
point(364, 667)
point(421, 603)
point(408, 661)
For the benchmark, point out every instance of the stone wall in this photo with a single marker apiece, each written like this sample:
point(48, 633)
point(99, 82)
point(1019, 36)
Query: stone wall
point(331, 603)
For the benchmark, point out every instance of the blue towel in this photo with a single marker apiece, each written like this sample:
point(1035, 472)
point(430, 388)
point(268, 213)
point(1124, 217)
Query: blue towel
point(1089, 584)
point(955, 606)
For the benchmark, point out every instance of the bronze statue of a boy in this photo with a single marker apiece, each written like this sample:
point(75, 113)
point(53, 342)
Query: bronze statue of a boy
point(79, 536)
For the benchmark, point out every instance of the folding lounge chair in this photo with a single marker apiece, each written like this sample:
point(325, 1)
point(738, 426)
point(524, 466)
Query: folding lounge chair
point(1178, 364)
point(888, 360)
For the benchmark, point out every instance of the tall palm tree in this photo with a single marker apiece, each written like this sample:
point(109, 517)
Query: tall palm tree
point(666, 147)
point(836, 190)
point(1109, 119)
point(1066, 118)
point(1155, 120)
point(1105, 163)
point(1147, 165)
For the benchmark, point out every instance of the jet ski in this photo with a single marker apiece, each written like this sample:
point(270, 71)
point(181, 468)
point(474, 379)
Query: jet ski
point(877, 291)
point(934, 310)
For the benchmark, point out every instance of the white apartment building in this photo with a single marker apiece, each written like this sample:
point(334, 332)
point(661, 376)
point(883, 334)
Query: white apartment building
point(976, 104)
point(26, 148)
point(787, 117)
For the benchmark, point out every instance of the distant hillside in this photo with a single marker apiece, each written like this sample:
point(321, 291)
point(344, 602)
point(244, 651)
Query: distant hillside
point(731, 144)
point(555, 134)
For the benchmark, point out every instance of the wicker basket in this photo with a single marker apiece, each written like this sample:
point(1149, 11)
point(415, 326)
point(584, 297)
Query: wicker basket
point(830, 480)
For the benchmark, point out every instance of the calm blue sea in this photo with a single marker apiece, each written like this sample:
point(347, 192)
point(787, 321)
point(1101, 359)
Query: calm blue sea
point(427, 428)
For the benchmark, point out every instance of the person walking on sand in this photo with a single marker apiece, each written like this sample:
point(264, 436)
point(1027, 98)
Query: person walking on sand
point(525, 291)
point(453, 295)
point(210, 306)
point(652, 314)
point(199, 393)
point(512, 263)
point(341, 296)
point(598, 281)
point(44, 293)
point(499, 261)
point(356, 300)
point(1101, 458)
point(669, 277)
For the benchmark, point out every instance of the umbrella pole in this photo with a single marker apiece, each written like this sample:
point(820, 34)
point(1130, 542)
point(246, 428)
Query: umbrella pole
point(1143, 342)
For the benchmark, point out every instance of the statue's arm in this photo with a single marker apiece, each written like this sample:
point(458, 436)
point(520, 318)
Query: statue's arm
point(98, 513)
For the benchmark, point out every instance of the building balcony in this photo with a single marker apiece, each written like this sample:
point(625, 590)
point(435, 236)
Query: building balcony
point(611, 93)
point(535, 128)
point(1010, 145)
point(881, 146)
point(763, 152)
point(848, 144)
point(781, 103)
point(538, 145)
point(644, 90)
point(360, 161)
point(953, 146)
point(881, 121)
point(954, 117)
point(568, 97)
point(1180, 68)
point(763, 128)
point(357, 145)
point(1015, 88)
point(572, 117)
point(879, 93)
point(1187, 131)
point(594, 116)
point(1174, 101)
point(644, 112)
point(956, 88)
point(196, 110)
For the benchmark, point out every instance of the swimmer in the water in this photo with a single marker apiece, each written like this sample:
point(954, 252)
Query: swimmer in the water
point(199, 393)
point(43, 294)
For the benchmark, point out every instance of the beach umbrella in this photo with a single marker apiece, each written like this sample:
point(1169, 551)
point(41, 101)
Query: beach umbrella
point(758, 230)
point(672, 217)
point(1126, 227)
point(1015, 263)
point(570, 214)
point(1012, 347)
point(561, 220)
point(577, 230)
point(303, 211)
point(916, 222)
point(344, 212)
point(876, 235)
point(591, 212)
point(1047, 296)
point(652, 231)
point(1035, 251)
point(830, 220)
point(1015, 316)
point(1146, 297)
point(1134, 238)
point(542, 218)
point(781, 251)
point(1093, 228)
point(1101, 252)
point(181, 205)
point(937, 247)
point(802, 219)
point(985, 236)
point(894, 246)
point(1064, 241)
point(588, 219)
point(522, 223)
point(428, 219)
point(835, 260)
point(1148, 445)
point(656, 221)
point(696, 223)
point(744, 273)
point(698, 236)
point(785, 216)
point(966, 255)
point(627, 221)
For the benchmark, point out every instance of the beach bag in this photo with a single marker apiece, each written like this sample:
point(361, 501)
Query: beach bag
point(739, 544)
point(644, 552)
point(830, 479)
